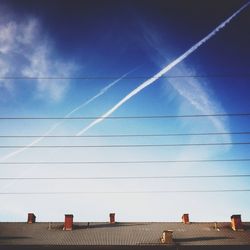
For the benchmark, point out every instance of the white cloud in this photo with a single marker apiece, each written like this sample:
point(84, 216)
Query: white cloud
point(191, 96)
point(7, 33)
point(195, 94)
point(25, 51)
point(4, 67)
point(40, 65)
point(198, 94)
point(29, 32)
point(5, 85)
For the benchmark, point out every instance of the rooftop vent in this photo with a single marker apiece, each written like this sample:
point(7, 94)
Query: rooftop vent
point(68, 222)
point(167, 237)
point(112, 218)
point(31, 218)
point(216, 227)
point(236, 222)
point(185, 218)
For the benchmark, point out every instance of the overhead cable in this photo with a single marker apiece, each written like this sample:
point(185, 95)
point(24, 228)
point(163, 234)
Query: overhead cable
point(128, 117)
point(240, 75)
point(122, 162)
point(126, 192)
point(128, 145)
point(127, 135)
point(128, 177)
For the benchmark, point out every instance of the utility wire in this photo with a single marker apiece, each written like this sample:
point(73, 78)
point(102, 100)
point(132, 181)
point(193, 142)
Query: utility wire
point(126, 135)
point(242, 75)
point(127, 192)
point(122, 162)
point(129, 145)
point(127, 177)
point(126, 117)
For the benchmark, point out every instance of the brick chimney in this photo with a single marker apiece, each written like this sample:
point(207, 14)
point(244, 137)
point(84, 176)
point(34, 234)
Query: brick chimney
point(236, 222)
point(185, 218)
point(68, 222)
point(112, 218)
point(167, 237)
point(31, 218)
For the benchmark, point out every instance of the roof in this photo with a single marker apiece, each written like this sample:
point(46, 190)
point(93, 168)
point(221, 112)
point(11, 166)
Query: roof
point(121, 234)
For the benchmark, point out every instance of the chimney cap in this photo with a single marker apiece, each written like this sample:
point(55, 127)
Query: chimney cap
point(31, 214)
point(236, 216)
point(69, 215)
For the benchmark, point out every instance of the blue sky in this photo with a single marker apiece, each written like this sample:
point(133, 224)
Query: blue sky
point(105, 40)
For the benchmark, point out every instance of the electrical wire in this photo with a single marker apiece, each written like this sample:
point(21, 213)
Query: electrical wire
point(128, 177)
point(127, 117)
point(129, 145)
point(242, 75)
point(127, 135)
point(126, 192)
point(122, 162)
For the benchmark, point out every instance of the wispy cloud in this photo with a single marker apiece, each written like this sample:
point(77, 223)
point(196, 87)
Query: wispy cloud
point(56, 125)
point(194, 95)
point(199, 95)
point(163, 71)
point(25, 52)
point(41, 65)
point(4, 69)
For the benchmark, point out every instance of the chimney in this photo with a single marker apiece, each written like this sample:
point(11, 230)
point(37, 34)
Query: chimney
point(167, 237)
point(236, 222)
point(68, 222)
point(185, 218)
point(31, 218)
point(112, 218)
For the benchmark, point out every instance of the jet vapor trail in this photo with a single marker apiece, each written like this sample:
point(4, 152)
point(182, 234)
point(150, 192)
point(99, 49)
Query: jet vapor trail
point(100, 93)
point(163, 71)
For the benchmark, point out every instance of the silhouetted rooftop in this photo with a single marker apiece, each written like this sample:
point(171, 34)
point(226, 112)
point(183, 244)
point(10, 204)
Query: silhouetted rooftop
point(122, 234)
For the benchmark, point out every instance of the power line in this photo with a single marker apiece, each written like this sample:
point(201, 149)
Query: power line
point(126, 117)
point(126, 135)
point(129, 145)
point(127, 192)
point(242, 75)
point(127, 177)
point(123, 162)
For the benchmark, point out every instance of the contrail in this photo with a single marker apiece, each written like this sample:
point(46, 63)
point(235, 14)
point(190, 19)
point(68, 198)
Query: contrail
point(163, 71)
point(100, 93)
